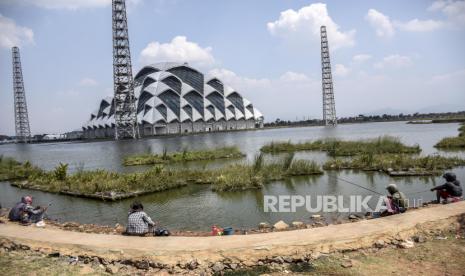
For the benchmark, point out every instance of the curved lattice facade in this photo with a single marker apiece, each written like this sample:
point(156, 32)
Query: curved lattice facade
point(175, 98)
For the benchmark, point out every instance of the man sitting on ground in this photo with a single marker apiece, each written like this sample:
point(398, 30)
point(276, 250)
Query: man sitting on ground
point(396, 201)
point(25, 213)
point(139, 223)
point(451, 191)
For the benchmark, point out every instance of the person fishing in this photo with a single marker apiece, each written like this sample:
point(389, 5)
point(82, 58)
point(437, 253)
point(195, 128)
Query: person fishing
point(140, 224)
point(451, 191)
point(25, 213)
point(396, 201)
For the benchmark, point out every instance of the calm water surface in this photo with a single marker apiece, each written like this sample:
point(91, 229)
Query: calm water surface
point(196, 207)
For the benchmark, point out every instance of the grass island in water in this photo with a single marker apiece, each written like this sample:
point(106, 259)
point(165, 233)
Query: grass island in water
point(184, 156)
point(453, 143)
point(108, 185)
point(396, 164)
point(337, 147)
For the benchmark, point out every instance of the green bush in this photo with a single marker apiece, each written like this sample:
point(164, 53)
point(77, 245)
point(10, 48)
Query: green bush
point(61, 171)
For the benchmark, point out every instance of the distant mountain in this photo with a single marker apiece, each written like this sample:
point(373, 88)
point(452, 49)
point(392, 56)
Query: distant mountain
point(388, 111)
point(442, 108)
point(439, 108)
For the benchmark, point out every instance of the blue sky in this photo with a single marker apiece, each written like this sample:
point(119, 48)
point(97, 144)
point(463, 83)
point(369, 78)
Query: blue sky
point(386, 55)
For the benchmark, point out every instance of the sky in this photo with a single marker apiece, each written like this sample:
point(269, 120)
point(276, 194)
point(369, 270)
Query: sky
point(387, 56)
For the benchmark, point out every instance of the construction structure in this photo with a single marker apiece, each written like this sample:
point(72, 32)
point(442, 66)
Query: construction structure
point(124, 99)
point(23, 132)
point(329, 105)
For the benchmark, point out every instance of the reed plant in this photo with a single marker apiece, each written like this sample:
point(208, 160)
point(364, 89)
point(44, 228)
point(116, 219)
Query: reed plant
point(337, 147)
point(182, 156)
point(453, 143)
point(396, 162)
point(10, 169)
point(158, 178)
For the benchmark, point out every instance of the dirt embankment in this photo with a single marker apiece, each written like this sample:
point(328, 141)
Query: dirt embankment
point(196, 255)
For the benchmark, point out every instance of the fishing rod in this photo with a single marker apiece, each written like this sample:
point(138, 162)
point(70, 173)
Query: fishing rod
point(355, 184)
point(360, 186)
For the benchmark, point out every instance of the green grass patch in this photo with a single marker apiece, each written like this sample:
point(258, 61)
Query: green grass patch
point(448, 120)
point(395, 162)
point(453, 143)
point(247, 176)
point(183, 156)
point(336, 147)
point(11, 169)
point(155, 179)
point(113, 185)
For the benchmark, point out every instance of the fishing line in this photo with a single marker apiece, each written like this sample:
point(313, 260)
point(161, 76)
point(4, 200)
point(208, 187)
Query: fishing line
point(355, 184)
point(418, 192)
point(360, 186)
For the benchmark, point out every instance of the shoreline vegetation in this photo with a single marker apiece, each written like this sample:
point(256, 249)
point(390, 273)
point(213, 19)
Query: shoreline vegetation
point(386, 154)
point(337, 147)
point(184, 156)
point(105, 185)
point(396, 164)
point(453, 143)
point(10, 169)
point(439, 121)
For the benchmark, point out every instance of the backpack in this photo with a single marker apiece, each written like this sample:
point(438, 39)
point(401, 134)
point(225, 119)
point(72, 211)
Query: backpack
point(162, 232)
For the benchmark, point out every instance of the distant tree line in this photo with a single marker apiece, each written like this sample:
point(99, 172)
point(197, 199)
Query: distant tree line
point(370, 118)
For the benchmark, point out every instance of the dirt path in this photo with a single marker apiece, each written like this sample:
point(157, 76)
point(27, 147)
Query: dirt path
point(173, 249)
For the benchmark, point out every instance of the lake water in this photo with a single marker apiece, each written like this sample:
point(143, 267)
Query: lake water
point(196, 207)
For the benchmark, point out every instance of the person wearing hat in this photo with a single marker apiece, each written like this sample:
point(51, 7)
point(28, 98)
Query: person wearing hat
point(396, 200)
point(451, 191)
point(25, 213)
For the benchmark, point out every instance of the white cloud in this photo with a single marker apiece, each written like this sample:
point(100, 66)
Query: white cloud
point(237, 82)
point(305, 24)
point(69, 4)
point(382, 24)
point(178, 50)
point(416, 25)
point(293, 76)
point(361, 58)
point(395, 61)
point(340, 70)
point(453, 76)
point(454, 10)
point(12, 34)
point(291, 89)
point(88, 82)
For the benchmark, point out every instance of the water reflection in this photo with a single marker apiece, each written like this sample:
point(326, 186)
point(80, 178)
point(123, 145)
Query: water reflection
point(196, 207)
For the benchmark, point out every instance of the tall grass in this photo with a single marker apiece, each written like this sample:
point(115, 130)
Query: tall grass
point(159, 178)
point(453, 143)
point(258, 162)
point(11, 169)
point(243, 176)
point(396, 162)
point(183, 156)
point(336, 147)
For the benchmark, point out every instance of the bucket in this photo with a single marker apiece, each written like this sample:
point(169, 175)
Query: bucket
point(228, 231)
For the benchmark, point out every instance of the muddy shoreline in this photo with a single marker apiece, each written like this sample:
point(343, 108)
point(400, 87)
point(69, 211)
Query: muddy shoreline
point(316, 221)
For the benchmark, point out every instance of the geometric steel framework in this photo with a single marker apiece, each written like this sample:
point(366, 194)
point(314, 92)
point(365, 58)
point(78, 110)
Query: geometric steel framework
point(124, 98)
point(329, 106)
point(23, 132)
